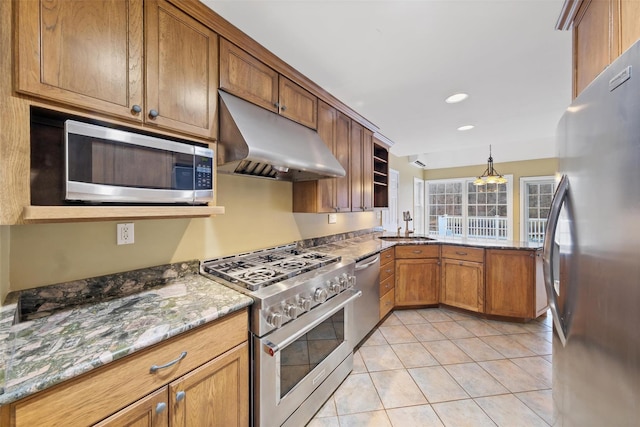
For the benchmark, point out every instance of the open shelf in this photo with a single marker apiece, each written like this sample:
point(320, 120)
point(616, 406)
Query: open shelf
point(380, 176)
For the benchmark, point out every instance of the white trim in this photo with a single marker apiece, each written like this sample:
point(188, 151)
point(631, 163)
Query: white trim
point(524, 180)
point(390, 216)
point(465, 200)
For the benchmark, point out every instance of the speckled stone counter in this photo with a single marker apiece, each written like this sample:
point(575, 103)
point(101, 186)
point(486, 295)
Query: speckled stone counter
point(363, 245)
point(142, 307)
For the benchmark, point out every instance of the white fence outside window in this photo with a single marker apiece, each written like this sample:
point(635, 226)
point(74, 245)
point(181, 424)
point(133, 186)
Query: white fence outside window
point(477, 227)
point(535, 229)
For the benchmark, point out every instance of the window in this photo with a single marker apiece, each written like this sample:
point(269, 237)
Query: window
point(418, 205)
point(458, 208)
point(536, 194)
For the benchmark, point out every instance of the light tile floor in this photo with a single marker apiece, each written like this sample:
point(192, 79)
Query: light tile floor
point(439, 367)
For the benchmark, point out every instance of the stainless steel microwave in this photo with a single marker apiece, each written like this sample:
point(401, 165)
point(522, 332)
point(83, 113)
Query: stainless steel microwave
point(105, 165)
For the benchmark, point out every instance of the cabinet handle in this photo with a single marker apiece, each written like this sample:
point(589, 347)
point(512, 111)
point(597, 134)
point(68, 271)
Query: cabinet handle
point(283, 108)
point(136, 109)
point(388, 270)
point(153, 114)
point(180, 395)
point(160, 407)
point(417, 251)
point(155, 368)
point(461, 253)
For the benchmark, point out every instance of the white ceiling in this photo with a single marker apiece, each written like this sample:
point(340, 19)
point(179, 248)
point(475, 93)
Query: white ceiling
point(395, 61)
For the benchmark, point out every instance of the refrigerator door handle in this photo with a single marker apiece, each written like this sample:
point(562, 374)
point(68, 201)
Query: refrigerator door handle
point(549, 248)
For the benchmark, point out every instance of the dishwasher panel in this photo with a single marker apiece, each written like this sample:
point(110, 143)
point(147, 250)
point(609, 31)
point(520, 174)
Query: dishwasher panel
point(366, 308)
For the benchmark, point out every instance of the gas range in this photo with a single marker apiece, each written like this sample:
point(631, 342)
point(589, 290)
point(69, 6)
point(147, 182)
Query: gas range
point(285, 282)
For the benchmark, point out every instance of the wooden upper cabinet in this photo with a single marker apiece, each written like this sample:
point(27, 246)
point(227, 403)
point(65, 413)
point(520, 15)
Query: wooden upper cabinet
point(297, 104)
point(89, 54)
point(592, 42)
point(367, 170)
point(629, 23)
point(319, 196)
point(343, 154)
point(181, 71)
point(243, 75)
point(357, 136)
point(86, 54)
point(247, 77)
point(602, 31)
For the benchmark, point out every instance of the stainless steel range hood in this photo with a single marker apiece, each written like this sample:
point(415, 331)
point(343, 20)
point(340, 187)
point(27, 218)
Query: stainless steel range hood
point(257, 142)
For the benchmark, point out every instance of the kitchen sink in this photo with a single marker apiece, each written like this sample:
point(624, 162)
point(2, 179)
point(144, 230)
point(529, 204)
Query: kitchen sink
point(411, 238)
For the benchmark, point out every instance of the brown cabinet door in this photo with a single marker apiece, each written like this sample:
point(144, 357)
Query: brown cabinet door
point(82, 53)
point(367, 170)
point(417, 282)
point(463, 284)
point(343, 154)
point(592, 42)
point(357, 136)
point(510, 283)
point(150, 411)
point(181, 71)
point(243, 75)
point(629, 23)
point(214, 395)
point(386, 303)
point(298, 104)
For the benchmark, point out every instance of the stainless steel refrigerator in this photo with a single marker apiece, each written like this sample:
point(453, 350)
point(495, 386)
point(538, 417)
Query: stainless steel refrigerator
point(592, 253)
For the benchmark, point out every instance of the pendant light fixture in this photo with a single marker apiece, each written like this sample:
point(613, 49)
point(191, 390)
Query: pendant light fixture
point(490, 175)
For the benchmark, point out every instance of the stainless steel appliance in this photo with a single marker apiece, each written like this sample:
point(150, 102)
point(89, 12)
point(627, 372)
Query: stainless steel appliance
point(367, 307)
point(592, 253)
point(302, 344)
point(259, 143)
point(116, 166)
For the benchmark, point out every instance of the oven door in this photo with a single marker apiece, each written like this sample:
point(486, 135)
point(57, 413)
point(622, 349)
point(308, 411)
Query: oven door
point(293, 361)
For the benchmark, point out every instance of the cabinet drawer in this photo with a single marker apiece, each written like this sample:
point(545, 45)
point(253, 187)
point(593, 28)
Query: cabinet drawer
point(463, 253)
point(93, 396)
point(387, 270)
point(386, 303)
point(387, 256)
point(387, 284)
point(418, 251)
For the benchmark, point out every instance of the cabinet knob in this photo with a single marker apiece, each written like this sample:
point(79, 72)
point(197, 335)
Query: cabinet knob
point(153, 114)
point(180, 396)
point(136, 109)
point(160, 407)
point(277, 105)
point(283, 108)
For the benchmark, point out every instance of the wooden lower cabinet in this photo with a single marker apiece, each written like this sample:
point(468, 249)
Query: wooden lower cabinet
point(514, 283)
point(387, 281)
point(463, 284)
point(214, 376)
point(150, 411)
point(417, 282)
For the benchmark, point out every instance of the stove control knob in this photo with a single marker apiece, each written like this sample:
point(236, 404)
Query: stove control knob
point(320, 295)
point(305, 304)
point(275, 320)
point(344, 281)
point(335, 286)
point(292, 311)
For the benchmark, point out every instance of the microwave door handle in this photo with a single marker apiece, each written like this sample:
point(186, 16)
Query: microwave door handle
point(549, 250)
point(272, 348)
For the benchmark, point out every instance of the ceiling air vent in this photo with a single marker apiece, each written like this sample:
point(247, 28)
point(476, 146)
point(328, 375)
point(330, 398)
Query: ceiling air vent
point(415, 161)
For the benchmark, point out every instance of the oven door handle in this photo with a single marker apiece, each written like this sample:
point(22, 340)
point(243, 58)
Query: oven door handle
point(272, 348)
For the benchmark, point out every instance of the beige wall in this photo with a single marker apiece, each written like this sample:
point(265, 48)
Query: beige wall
point(258, 214)
point(539, 167)
point(407, 173)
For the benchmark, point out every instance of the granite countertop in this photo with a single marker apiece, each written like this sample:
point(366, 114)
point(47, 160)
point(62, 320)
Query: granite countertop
point(365, 245)
point(142, 307)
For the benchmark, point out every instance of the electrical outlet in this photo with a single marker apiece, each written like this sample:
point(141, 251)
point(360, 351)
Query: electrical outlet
point(333, 218)
point(125, 234)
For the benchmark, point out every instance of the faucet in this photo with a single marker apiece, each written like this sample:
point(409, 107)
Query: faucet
point(406, 216)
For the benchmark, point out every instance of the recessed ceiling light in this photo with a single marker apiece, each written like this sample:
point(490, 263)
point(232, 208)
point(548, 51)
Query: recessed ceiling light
point(457, 97)
point(466, 127)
